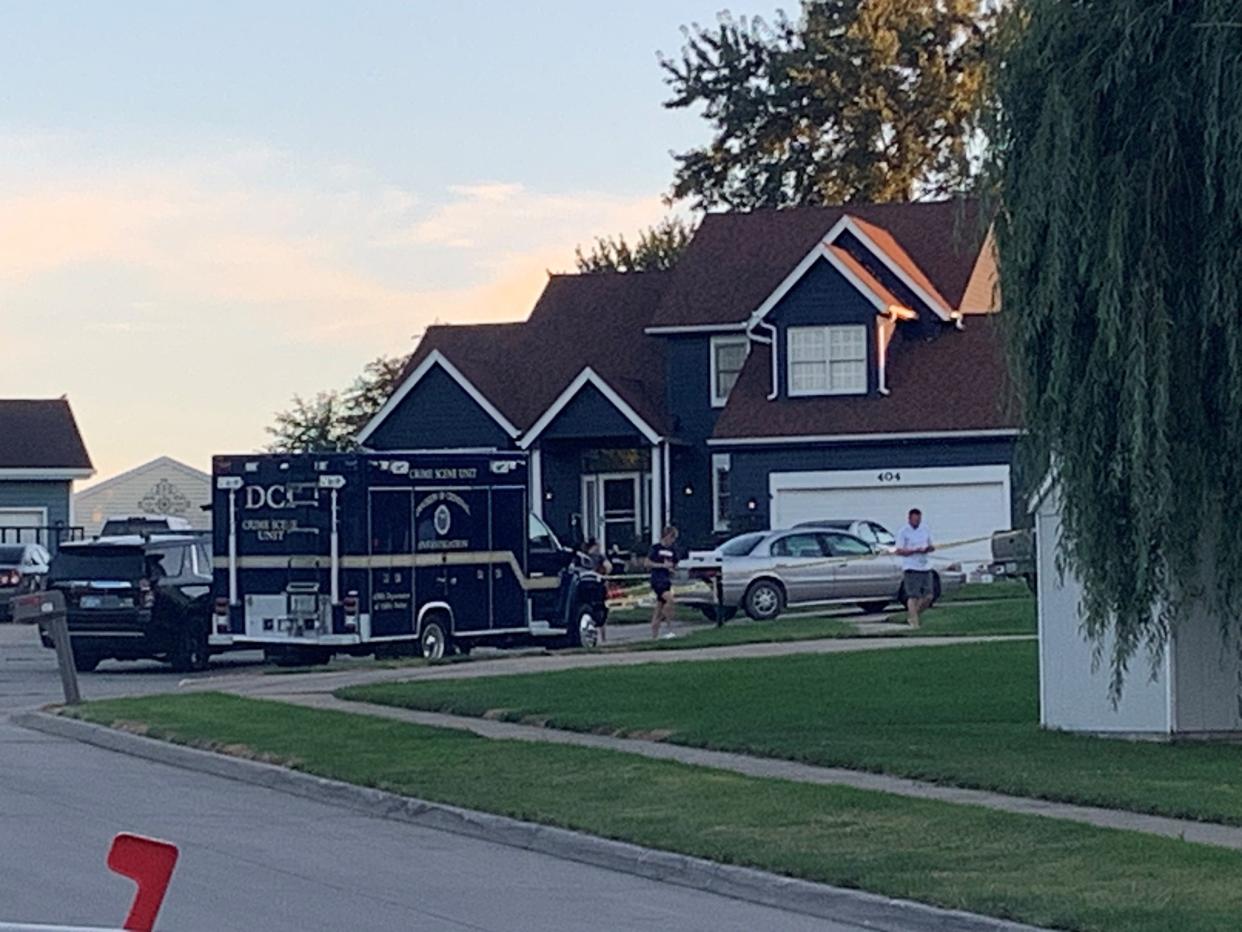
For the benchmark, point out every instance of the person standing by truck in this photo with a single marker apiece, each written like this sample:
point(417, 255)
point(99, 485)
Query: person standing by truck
point(914, 543)
point(662, 559)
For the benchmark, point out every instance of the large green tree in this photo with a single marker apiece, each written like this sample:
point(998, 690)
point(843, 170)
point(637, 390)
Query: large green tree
point(1118, 155)
point(331, 419)
point(657, 247)
point(856, 100)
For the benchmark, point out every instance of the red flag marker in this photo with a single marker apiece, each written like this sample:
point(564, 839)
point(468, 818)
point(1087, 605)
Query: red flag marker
point(149, 863)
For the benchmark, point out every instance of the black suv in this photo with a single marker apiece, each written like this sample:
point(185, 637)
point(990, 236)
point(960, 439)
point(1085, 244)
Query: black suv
point(134, 598)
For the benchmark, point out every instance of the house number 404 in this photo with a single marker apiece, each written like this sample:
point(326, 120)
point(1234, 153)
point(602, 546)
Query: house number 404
point(889, 477)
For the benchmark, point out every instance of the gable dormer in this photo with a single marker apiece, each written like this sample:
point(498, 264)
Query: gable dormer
point(831, 322)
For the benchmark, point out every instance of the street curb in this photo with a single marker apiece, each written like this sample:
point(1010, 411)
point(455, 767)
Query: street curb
point(867, 910)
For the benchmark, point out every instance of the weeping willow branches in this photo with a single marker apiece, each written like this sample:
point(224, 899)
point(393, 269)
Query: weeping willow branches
point(1117, 151)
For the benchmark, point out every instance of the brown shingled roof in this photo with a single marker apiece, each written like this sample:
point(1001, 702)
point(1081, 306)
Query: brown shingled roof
point(40, 434)
point(860, 272)
point(958, 381)
point(737, 259)
point(594, 320)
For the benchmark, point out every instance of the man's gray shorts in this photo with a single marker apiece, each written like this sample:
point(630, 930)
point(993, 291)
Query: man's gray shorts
point(918, 584)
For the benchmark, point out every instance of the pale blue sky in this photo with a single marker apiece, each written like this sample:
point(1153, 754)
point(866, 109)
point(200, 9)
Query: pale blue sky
point(205, 207)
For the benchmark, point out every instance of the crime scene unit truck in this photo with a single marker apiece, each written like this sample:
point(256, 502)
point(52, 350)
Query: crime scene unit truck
point(389, 554)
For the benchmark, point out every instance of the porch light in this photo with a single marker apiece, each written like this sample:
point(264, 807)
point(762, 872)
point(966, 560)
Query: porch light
point(689, 489)
point(547, 496)
point(751, 504)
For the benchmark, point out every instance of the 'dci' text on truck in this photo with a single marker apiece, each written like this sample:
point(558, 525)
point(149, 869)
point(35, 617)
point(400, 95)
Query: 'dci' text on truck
point(389, 553)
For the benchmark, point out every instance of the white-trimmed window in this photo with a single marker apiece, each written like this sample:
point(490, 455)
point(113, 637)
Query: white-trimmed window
point(721, 500)
point(828, 360)
point(728, 356)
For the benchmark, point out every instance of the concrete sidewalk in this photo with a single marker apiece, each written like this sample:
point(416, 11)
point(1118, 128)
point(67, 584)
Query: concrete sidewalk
point(1204, 833)
point(278, 685)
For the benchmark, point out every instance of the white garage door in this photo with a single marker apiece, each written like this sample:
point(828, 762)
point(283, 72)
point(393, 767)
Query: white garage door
point(958, 503)
point(19, 525)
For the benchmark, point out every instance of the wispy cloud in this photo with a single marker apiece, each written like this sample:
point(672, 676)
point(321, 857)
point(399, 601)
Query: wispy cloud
point(244, 276)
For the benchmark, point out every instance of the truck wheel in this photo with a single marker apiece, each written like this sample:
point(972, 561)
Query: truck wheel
point(84, 662)
point(433, 640)
point(764, 600)
point(190, 654)
point(584, 628)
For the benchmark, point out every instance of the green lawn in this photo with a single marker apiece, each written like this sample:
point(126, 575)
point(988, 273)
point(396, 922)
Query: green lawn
point(1005, 616)
point(1036, 870)
point(964, 715)
point(1001, 589)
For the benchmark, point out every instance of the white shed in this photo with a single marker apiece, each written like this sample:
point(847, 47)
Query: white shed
point(1197, 685)
point(163, 486)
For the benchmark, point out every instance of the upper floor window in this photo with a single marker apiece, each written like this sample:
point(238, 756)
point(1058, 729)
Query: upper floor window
point(828, 360)
point(728, 357)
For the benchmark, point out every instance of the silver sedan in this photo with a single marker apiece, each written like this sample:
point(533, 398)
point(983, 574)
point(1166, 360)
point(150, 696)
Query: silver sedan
point(765, 571)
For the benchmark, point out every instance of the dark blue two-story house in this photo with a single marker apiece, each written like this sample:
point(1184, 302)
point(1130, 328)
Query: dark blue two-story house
point(796, 364)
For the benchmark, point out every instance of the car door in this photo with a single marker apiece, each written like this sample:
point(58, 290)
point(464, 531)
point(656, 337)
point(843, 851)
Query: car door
point(860, 572)
point(803, 567)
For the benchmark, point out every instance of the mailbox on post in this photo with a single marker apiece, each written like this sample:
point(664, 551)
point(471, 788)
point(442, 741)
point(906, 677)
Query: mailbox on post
point(47, 610)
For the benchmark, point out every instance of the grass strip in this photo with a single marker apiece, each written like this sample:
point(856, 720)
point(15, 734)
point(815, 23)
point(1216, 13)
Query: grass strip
point(964, 715)
point(1026, 868)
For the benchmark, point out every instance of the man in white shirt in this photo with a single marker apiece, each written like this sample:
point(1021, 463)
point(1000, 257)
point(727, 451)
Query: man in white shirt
point(914, 543)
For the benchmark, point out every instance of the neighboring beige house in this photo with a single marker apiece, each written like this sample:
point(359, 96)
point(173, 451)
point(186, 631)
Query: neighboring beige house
point(163, 486)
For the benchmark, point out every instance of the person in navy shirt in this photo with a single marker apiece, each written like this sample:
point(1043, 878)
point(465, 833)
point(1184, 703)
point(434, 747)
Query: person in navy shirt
point(662, 559)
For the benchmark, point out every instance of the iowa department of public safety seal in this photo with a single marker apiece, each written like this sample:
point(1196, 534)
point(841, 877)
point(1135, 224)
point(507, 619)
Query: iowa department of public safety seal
point(443, 520)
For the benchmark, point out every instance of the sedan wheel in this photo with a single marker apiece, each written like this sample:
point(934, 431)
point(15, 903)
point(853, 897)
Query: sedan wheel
point(764, 600)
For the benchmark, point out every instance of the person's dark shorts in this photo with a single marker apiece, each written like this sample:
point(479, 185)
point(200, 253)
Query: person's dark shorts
point(661, 586)
point(918, 584)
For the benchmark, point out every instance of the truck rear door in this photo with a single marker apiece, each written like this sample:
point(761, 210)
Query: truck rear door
point(452, 540)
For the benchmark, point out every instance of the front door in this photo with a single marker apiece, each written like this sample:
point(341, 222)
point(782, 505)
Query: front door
point(612, 508)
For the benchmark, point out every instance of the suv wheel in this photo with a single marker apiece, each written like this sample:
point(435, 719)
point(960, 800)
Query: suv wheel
point(191, 653)
point(764, 600)
point(84, 662)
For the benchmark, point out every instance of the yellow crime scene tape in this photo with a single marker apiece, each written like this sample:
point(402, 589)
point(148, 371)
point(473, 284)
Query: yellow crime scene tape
point(633, 590)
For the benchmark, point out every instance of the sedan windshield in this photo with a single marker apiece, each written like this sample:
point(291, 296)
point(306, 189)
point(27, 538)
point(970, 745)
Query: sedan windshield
point(741, 546)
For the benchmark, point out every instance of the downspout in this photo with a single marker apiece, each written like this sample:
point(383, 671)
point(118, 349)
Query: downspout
point(881, 348)
point(776, 379)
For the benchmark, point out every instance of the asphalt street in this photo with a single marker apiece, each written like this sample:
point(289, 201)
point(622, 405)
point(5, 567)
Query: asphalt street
point(28, 676)
point(253, 858)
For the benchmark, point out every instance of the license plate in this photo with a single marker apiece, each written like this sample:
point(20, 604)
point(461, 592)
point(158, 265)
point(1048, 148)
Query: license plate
point(302, 604)
point(91, 601)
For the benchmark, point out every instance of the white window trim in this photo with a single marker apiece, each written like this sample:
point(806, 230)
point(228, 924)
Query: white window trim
point(717, 401)
point(719, 461)
point(789, 361)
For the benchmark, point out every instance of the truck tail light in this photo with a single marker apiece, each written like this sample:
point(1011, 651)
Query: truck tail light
point(10, 578)
point(146, 596)
point(222, 605)
point(351, 606)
